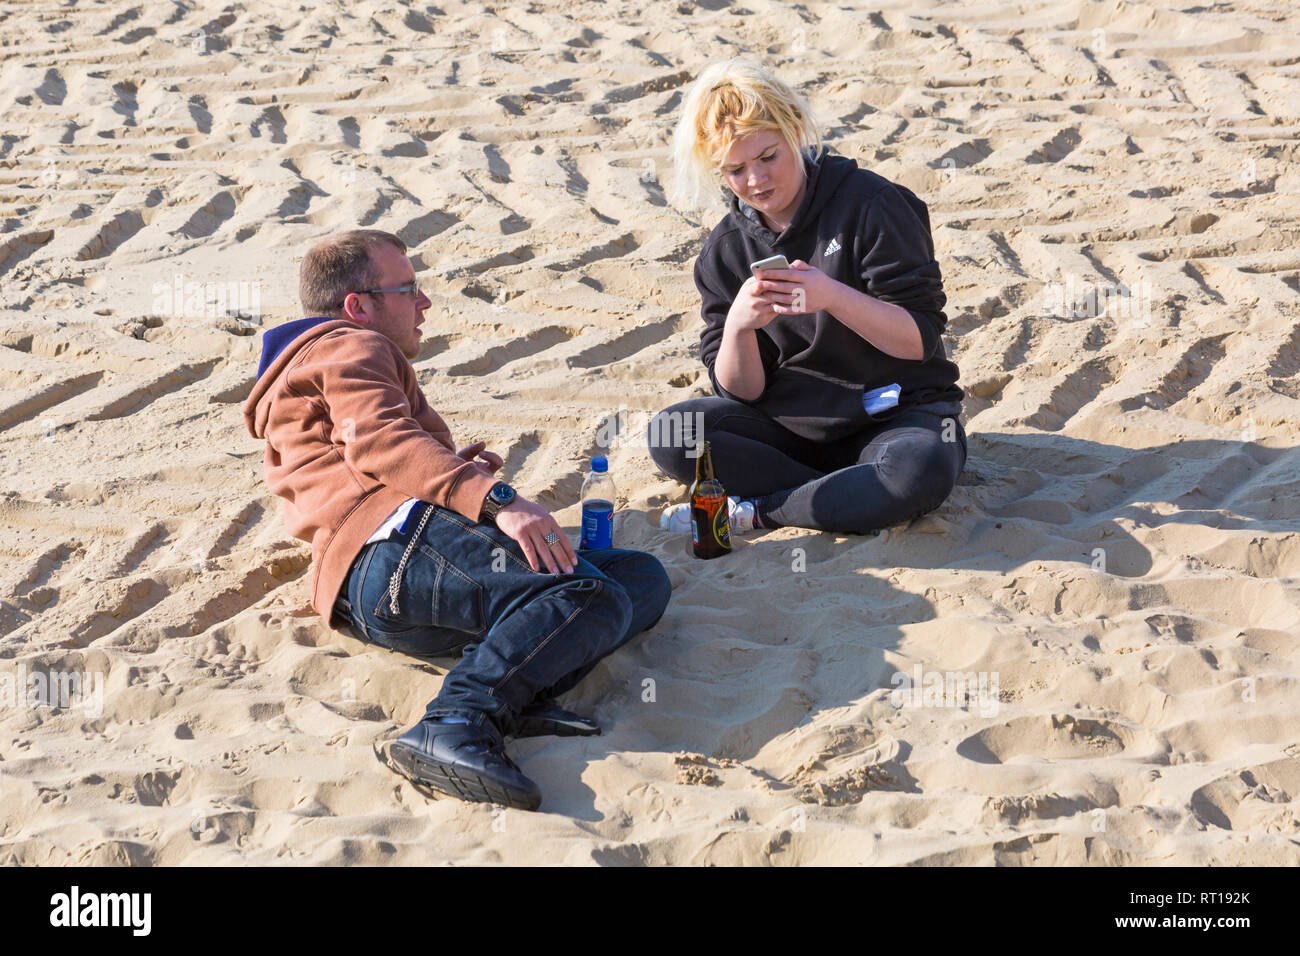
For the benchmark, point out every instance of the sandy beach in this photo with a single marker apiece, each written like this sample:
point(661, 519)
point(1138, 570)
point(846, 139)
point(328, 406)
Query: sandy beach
point(1087, 655)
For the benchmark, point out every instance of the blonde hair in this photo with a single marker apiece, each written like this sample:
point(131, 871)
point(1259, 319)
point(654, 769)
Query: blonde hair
point(729, 100)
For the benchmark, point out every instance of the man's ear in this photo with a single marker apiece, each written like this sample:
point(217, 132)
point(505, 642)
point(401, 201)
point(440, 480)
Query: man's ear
point(354, 309)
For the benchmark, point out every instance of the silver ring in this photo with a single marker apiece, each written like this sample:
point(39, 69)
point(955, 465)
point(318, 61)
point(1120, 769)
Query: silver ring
point(551, 538)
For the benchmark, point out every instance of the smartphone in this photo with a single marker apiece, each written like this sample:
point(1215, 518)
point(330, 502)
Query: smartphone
point(771, 262)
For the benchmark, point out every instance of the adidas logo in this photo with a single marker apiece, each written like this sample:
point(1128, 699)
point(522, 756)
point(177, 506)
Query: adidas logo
point(832, 247)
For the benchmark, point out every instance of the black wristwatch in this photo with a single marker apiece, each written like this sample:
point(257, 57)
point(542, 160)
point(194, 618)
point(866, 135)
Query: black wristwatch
point(497, 498)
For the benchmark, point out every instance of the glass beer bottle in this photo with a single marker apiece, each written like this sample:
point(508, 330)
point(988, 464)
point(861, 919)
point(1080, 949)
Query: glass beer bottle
point(710, 523)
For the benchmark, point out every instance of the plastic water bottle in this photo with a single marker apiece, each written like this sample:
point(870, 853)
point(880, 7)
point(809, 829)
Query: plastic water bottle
point(598, 497)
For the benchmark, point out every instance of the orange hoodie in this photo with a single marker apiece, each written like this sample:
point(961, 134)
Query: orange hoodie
point(349, 438)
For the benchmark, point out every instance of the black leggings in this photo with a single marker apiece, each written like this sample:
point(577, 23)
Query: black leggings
point(888, 473)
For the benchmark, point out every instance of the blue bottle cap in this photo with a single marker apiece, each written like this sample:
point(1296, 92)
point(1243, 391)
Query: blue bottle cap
point(599, 464)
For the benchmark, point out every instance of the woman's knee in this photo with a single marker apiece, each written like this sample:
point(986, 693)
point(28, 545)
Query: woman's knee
point(921, 470)
point(673, 463)
point(674, 434)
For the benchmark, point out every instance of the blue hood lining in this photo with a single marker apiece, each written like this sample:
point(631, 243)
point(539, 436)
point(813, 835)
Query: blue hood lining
point(276, 340)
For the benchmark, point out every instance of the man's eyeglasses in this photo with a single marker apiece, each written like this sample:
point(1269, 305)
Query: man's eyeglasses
point(413, 288)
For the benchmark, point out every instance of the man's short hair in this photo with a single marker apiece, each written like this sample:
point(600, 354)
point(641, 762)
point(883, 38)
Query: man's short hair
point(339, 265)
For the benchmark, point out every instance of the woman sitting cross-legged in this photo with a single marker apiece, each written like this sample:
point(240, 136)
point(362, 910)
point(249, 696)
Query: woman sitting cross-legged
point(835, 406)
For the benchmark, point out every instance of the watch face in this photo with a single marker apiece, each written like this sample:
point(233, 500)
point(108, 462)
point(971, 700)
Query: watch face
point(503, 493)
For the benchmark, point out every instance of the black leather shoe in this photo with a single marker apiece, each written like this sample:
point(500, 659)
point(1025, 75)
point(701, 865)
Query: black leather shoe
point(546, 718)
point(465, 761)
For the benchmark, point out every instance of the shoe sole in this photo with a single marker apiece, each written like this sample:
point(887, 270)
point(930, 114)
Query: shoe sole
point(458, 781)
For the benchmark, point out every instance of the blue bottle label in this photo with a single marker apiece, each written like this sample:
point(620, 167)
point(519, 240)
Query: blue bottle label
point(597, 524)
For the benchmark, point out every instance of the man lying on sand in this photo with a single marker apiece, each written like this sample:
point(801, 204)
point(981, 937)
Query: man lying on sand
point(418, 546)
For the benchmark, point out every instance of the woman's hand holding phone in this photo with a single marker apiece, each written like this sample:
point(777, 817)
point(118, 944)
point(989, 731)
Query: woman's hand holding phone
point(750, 309)
point(799, 290)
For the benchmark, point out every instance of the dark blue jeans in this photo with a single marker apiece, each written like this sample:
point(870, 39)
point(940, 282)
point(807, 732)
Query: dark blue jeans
point(522, 635)
point(892, 471)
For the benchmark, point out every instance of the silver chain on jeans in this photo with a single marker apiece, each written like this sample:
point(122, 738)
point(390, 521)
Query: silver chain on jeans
point(395, 582)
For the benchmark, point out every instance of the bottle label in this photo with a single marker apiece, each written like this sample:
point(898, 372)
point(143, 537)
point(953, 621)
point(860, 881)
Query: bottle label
point(597, 524)
point(710, 527)
point(722, 526)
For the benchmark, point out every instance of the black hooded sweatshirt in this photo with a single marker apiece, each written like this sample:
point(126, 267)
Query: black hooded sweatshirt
point(868, 233)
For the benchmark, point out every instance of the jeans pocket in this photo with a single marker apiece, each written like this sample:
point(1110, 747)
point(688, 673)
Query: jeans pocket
point(430, 592)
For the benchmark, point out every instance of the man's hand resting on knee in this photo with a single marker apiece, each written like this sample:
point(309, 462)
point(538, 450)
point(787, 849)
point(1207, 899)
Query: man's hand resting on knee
point(529, 524)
